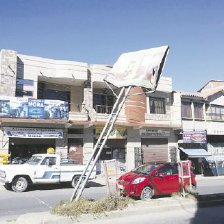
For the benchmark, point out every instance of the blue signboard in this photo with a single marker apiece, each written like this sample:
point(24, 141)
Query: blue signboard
point(18, 107)
point(35, 108)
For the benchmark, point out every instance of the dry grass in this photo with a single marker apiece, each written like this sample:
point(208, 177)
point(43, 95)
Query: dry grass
point(86, 206)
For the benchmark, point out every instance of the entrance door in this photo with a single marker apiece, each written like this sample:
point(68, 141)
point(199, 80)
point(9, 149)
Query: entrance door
point(155, 150)
point(166, 179)
point(75, 149)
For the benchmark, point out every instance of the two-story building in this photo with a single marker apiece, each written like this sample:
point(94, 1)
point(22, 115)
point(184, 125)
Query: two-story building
point(202, 133)
point(65, 104)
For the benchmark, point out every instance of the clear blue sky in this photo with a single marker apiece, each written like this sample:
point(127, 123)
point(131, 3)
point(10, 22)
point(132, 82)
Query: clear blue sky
point(98, 31)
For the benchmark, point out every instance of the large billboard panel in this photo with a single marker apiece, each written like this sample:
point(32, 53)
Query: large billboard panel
point(141, 68)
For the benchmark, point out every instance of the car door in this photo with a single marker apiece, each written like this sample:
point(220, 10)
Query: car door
point(47, 171)
point(165, 181)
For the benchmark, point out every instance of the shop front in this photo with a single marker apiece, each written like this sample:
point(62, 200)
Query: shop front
point(216, 148)
point(24, 142)
point(115, 147)
point(194, 147)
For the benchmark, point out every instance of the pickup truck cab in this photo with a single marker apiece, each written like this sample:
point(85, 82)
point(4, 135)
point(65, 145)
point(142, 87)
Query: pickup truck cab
point(40, 169)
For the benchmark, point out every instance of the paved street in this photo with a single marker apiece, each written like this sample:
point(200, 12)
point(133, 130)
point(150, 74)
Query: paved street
point(43, 198)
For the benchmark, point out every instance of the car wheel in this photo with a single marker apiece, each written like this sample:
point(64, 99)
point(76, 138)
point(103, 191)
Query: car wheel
point(19, 184)
point(147, 193)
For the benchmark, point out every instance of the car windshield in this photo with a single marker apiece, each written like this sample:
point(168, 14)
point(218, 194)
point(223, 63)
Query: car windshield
point(145, 169)
point(34, 160)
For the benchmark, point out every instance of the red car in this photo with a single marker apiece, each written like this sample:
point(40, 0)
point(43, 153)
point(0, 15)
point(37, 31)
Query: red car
point(148, 180)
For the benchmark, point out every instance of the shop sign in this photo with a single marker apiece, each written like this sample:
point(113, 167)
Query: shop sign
point(118, 132)
point(33, 133)
point(17, 107)
point(154, 132)
point(194, 137)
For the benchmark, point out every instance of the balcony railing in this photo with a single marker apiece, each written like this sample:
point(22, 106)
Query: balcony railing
point(102, 109)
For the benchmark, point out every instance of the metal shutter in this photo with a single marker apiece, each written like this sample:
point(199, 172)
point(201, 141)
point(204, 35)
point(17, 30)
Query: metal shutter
point(155, 150)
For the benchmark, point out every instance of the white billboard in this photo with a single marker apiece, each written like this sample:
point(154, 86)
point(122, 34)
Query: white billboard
point(140, 68)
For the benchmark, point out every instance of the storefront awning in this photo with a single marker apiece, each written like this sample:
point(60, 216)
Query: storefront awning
point(195, 153)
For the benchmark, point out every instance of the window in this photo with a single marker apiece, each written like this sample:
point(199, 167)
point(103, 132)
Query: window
point(186, 109)
point(49, 161)
point(20, 83)
point(21, 93)
point(103, 103)
point(215, 112)
point(198, 111)
point(157, 105)
point(165, 170)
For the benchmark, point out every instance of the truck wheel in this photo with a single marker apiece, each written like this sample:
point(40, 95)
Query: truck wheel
point(147, 193)
point(19, 184)
point(75, 181)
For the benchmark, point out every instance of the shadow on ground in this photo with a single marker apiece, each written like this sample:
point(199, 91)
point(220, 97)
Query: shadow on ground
point(210, 209)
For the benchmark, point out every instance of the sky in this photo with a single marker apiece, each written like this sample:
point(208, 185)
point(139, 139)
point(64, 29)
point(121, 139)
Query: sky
point(99, 31)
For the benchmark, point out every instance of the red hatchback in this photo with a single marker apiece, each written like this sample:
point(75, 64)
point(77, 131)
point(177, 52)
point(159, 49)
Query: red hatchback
point(148, 180)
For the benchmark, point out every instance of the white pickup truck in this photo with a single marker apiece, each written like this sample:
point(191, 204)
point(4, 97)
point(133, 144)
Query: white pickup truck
point(40, 169)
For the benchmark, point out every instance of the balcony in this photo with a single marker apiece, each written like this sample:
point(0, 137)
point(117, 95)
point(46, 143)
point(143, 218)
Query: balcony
point(102, 109)
point(102, 113)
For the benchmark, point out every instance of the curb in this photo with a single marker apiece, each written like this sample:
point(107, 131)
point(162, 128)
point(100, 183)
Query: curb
point(152, 206)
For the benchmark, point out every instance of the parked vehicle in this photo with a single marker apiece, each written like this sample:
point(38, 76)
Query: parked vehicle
point(40, 169)
point(148, 180)
point(19, 160)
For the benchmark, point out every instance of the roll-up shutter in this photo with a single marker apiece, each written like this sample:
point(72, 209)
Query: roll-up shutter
point(155, 150)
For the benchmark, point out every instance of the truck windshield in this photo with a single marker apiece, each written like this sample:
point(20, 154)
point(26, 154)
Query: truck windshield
point(34, 160)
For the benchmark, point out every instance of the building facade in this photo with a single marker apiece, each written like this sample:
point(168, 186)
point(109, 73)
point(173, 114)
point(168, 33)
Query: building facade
point(64, 105)
point(202, 133)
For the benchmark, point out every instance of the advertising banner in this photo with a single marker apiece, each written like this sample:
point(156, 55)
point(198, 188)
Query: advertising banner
point(118, 132)
point(16, 107)
point(33, 133)
point(194, 137)
point(140, 68)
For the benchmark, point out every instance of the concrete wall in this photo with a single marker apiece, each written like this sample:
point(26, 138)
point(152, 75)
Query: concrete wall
point(217, 98)
point(8, 71)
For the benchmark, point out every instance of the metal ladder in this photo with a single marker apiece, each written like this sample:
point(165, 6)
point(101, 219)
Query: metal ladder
point(100, 143)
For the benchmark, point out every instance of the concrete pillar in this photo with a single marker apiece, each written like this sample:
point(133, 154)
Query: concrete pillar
point(88, 144)
point(4, 143)
point(133, 140)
